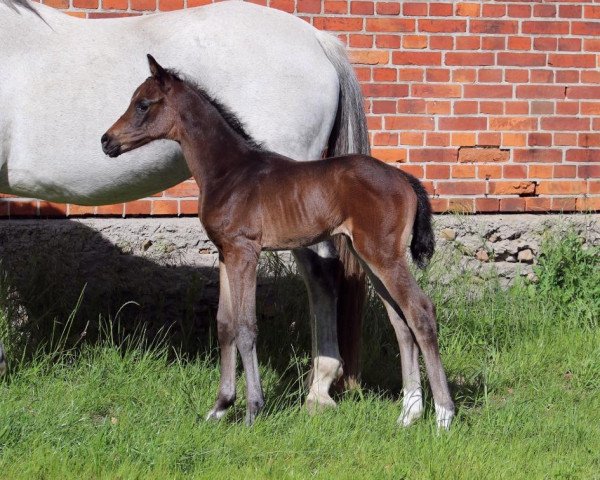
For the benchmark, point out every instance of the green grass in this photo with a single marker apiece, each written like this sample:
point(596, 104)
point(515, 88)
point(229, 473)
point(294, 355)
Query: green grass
point(524, 367)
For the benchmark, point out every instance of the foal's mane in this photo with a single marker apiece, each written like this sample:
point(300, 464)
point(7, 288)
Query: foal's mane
point(231, 118)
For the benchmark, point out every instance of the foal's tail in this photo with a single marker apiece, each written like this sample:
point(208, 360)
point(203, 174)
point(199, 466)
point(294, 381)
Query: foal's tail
point(423, 240)
point(348, 135)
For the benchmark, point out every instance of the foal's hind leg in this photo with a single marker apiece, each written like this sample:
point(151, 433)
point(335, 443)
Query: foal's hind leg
point(402, 293)
point(419, 312)
point(318, 266)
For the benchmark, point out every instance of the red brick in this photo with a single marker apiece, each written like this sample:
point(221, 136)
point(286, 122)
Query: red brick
point(361, 41)
point(538, 204)
point(512, 188)
point(545, 44)
point(80, 210)
point(438, 107)
point(512, 205)
point(541, 10)
point(565, 123)
point(369, 57)
point(385, 90)
point(461, 205)
point(62, 4)
point(116, 209)
point(460, 188)
point(521, 59)
point(583, 155)
point(462, 123)
point(411, 105)
point(138, 207)
point(469, 58)
point(568, 204)
point(409, 123)
point(541, 171)
point(437, 139)
point(488, 91)
point(483, 155)
point(514, 171)
point(165, 207)
point(442, 26)
point(387, 41)
point(569, 44)
point(493, 10)
point(572, 60)
point(362, 8)
point(417, 58)
point(286, 5)
point(414, 9)
point(443, 155)
point(539, 91)
point(539, 139)
point(494, 26)
point(188, 207)
point(562, 187)
point(519, 11)
point(440, 9)
point(546, 28)
point(414, 41)
point(472, 42)
point(85, 3)
point(585, 28)
point(579, 92)
point(23, 208)
point(339, 24)
point(463, 171)
point(441, 42)
point(331, 6)
point(468, 9)
point(390, 154)
point(543, 155)
point(189, 188)
point(519, 43)
point(587, 204)
point(513, 123)
point(439, 205)
point(167, 5)
point(388, 8)
point(588, 171)
point(436, 172)
point(115, 4)
point(394, 25)
point(564, 171)
point(414, 170)
point(308, 6)
point(439, 75)
point(490, 76)
point(487, 205)
point(435, 91)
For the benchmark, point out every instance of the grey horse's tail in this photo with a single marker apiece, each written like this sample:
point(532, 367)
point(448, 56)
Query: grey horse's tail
point(349, 135)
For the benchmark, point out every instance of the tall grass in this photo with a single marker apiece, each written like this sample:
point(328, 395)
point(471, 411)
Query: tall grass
point(523, 362)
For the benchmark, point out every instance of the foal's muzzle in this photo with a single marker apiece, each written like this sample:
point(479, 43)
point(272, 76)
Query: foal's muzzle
point(109, 146)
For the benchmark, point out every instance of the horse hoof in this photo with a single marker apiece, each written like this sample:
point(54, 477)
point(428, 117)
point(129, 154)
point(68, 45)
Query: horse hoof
point(215, 415)
point(412, 407)
point(316, 404)
point(444, 417)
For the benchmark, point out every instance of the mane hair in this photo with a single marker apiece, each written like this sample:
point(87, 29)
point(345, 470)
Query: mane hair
point(21, 3)
point(231, 118)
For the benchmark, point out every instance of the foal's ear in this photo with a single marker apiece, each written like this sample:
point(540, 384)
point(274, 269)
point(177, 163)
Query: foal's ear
point(158, 72)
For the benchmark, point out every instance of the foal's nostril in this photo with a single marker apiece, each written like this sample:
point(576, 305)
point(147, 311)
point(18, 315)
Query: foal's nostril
point(104, 139)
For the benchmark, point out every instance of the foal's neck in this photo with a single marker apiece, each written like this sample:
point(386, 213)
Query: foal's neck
point(211, 146)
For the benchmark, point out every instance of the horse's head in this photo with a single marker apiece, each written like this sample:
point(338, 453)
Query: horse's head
point(148, 117)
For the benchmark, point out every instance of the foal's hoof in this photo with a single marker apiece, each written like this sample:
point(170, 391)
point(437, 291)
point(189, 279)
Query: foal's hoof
point(215, 415)
point(444, 417)
point(412, 407)
point(318, 403)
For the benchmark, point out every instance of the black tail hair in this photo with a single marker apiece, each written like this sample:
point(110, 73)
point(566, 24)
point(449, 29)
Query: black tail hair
point(423, 240)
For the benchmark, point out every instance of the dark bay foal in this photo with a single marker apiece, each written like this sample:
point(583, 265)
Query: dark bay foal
point(253, 200)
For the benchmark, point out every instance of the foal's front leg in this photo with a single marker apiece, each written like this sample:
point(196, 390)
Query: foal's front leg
point(241, 263)
point(226, 334)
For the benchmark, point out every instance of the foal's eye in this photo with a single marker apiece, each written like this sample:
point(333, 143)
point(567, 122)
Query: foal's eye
point(142, 107)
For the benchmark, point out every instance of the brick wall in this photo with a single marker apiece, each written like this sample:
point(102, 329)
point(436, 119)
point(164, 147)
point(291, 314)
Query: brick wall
point(494, 105)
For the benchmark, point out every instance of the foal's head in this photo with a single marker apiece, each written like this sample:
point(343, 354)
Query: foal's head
point(151, 115)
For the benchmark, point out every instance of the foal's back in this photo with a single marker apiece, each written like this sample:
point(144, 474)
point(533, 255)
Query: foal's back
point(305, 202)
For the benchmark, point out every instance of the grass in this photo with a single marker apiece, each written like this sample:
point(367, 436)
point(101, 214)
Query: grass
point(524, 365)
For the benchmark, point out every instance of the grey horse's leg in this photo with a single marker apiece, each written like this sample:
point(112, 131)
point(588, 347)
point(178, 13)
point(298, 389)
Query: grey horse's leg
point(319, 268)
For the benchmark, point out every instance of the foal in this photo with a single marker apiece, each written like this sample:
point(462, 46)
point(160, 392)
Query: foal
point(253, 200)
